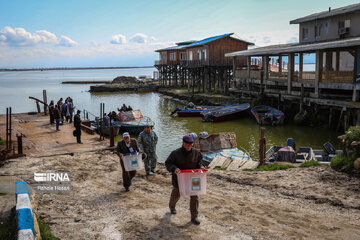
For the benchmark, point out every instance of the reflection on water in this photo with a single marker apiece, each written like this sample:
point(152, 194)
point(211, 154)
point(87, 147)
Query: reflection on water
point(15, 87)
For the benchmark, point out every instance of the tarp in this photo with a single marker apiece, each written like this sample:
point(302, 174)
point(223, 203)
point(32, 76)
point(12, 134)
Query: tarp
point(214, 142)
point(286, 154)
point(129, 116)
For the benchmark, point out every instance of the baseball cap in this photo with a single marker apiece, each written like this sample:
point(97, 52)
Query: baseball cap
point(126, 134)
point(188, 139)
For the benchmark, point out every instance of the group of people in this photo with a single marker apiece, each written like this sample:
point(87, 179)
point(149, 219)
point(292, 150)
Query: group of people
point(124, 108)
point(63, 112)
point(185, 157)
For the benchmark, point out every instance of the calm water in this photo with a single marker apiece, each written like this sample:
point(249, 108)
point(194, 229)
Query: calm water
point(16, 87)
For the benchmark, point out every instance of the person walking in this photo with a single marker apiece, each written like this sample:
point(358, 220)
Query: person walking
point(77, 125)
point(185, 157)
point(57, 116)
point(127, 145)
point(51, 111)
point(69, 110)
point(147, 144)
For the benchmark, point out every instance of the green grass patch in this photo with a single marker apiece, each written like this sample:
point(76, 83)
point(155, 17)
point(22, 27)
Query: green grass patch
point(45, 231)
point(274, 167)
point(342, 163)
point(311, 163)
point(2, 142)
point(248, 170)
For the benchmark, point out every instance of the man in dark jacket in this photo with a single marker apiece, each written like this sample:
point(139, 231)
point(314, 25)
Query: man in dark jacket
point(77, 125)
point(124, 146)
point(51, 111)
point(57, 116)
point(184, 158)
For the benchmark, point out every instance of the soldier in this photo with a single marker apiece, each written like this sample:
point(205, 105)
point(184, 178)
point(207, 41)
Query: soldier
point(147, 143)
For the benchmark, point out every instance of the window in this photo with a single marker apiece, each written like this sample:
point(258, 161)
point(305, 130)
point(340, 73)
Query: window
point(305, 33)
point(183, 56)
point(344, 27)
point(190, 56)
point(199, 54)
point(204, 54)
point(173, 56)
point(163, 56)
point(318, 30)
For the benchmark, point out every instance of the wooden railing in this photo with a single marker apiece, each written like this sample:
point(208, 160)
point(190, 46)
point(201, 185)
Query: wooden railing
point(308, 76)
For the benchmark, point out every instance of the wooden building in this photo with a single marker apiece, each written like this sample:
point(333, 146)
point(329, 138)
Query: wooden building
point(332, 39)
point(200, 63)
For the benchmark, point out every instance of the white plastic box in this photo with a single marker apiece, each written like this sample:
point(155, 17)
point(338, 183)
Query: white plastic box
point(192, 182)
point(133, 161)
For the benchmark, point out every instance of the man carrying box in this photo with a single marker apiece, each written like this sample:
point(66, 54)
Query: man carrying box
point(183, 158)
point(124, 146)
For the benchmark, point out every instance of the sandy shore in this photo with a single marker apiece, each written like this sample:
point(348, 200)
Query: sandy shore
point(312, 203)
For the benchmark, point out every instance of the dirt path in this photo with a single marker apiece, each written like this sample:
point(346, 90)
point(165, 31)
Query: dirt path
point(313, 203)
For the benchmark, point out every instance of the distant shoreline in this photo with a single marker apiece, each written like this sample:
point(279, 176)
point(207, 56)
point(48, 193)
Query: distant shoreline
point(64, 68)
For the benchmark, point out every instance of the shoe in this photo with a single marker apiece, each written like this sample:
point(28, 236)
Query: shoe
point(80, 143)
point(195, 221)
point(153, 170)
point(172, 210)
point(127, 189)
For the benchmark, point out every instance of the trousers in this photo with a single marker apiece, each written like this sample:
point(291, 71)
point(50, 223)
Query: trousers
point(194, 202)
point(127, 176)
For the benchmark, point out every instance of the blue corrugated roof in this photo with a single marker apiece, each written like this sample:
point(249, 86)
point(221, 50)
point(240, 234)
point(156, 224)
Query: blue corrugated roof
point(199, 43)
point(207, 40)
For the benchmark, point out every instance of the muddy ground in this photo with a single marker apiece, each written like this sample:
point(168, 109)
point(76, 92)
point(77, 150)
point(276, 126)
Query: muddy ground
point(311, 203)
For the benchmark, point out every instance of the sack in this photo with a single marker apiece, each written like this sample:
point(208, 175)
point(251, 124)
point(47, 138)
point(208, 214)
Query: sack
point(74, 133)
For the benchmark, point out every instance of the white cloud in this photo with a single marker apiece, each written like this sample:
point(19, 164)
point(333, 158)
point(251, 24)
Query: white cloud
point(152, 38)
point(95, 44)
point(20, 37)
point(118, 39)
point(139, 38)
point(67, 42)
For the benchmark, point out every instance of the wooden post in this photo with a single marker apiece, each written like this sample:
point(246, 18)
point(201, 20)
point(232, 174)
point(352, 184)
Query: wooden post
point(7, 128)
point(301, 66)
point(291, 66)
point(261, 82)
point(10, 128)
point(19, 141)
point(38, 106)
point(318, 73)
point(280, 65)
point(302, 98)
point(266, 67)
point(111, 135)
point(262, 146)
point(337, 64)
point(45, 101)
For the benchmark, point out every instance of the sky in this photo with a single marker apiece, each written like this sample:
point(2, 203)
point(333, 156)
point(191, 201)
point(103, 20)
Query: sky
point(119, 33)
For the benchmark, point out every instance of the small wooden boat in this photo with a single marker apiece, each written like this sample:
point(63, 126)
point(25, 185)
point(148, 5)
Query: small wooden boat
point(132, 121)
point(268, 115)
point(224, 113)
point(192, 112)
point(147, 89)
point(219, 150)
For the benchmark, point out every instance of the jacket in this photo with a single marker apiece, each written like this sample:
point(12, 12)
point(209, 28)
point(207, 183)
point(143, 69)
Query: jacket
point(77, 121)
point(122, 148)
point(183, 159)
point(148, 141)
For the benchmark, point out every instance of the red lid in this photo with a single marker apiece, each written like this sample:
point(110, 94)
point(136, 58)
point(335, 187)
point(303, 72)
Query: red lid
point(193, 170)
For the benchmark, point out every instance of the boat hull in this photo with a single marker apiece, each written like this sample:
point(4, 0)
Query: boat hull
point(225, 113)
point(266, 115)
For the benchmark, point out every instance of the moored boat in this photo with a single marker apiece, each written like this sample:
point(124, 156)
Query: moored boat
point(224, 113)
point(268, 115)
point(220, 150)
point(147, 89)
point(192, 112)
point(132, 121)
